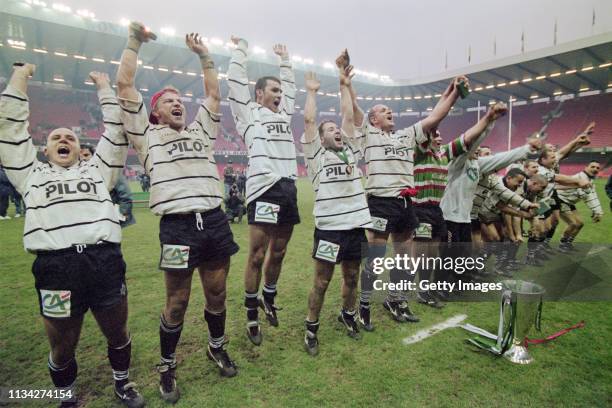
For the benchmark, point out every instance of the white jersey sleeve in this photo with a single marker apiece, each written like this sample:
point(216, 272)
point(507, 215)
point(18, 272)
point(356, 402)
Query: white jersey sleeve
point(287, 77)
point(136, 123)
point(17, 152)
point(112, 150)
point(239, 93)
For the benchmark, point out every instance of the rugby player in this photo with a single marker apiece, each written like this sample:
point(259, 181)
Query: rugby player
point(194, 232)
point(340, 210)
point(430, 174)
point(271, 195)
point(568, 197)
point(389, 156)
point(502, 199)
point(72, 227)
point(536, 243)
point(120, 194)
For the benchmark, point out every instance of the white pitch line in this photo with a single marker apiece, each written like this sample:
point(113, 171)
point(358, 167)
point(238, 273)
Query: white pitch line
point(596, 250)
point(425, 333)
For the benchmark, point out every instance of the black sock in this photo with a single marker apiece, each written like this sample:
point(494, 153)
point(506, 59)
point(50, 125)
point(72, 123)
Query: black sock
point(251, 304)
point(312, 327)
point(169, 336)
point(533, 246)
point(269, 292)
point(514, 247)
point(216, 328)
point(348, 315)
point(64, 376)
point(119, 358)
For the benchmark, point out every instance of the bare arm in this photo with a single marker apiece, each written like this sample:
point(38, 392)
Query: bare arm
point(571, 181)
point(513, 211)
point(346, 102)
point(343, 62)
point(310, 108)
point(582, 139)
point(138, 34)
point(444, 105)
point(495, 112)
point(211, 81)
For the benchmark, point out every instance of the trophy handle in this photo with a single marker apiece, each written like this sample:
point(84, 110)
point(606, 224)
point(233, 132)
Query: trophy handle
point(538, 318)
point(506, 326)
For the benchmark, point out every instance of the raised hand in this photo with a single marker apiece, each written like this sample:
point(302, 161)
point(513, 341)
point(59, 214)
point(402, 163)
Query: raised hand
point(584, 138)
point(496, 111)
point(100, 79)
point(311, 82)
point(589, 129)
point(141, 33)
point(535, 141)
point(194, 43)
point(26, 68)
point(346, 75)
point(343, 60)
point(281, 50)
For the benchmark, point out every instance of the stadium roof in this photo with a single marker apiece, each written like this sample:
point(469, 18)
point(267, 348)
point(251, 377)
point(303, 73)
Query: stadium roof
point(67, 47)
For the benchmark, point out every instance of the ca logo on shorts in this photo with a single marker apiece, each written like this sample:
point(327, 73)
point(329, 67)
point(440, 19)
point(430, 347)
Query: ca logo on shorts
point(266, 212)
point(423, 231)
point(327, 251)
point(379, 224)
point(55, 303)
point(175, 256)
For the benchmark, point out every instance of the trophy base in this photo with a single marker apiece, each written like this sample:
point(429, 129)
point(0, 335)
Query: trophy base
point(518, 354)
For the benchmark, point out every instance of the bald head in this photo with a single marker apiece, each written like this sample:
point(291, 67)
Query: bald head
point(381, 117)
point(63, 147)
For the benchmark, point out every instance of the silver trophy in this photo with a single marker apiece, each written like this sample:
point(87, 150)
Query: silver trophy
point(520, 308)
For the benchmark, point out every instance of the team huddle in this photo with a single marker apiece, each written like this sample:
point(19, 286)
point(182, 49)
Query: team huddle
point(421, 194)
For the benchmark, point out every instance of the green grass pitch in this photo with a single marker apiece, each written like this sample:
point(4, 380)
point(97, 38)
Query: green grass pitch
point(379, 370)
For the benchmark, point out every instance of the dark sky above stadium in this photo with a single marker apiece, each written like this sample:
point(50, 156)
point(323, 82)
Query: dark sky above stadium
point(404, 39)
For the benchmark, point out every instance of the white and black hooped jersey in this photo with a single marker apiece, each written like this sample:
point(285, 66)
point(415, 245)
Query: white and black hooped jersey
point(340, 202)
point(184, 175)
point(499, 193)
point(267, 134)
point(389, 158)
point(549, 174)
point(491, 188)
point(64, 206)
point(571, 195)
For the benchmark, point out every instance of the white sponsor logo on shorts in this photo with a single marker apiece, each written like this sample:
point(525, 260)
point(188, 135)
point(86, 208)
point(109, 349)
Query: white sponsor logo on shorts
point(55, 303)
point(327, 251)
point(379, 224)
point(175, 256)
point(423, 231)
point(266, 212)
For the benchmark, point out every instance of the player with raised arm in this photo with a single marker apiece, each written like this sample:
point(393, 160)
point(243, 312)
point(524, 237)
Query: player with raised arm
point(271, 195)
point(340, 210)
point(72, 227)
point(194, 232)
point(390, 186)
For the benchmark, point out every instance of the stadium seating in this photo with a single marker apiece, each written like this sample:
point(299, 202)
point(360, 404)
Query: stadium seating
point(62, 107)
